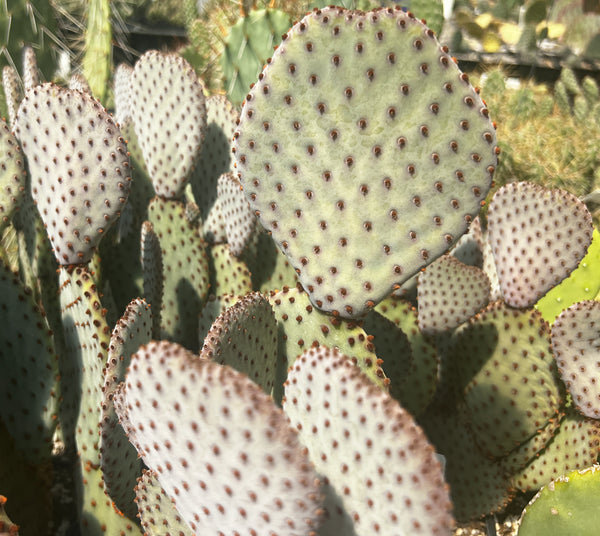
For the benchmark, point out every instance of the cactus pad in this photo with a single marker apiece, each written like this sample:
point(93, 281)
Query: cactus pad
point(376, 460)
point(449, 293)
point(502, 363)
point(12, 175)
point(365, 151)
point(228, 274)
point(220, 447)
point(152, 266)
point(244, 337)
point(80, 176)
point(576, 344)
point(169, 113)
point(538, 237)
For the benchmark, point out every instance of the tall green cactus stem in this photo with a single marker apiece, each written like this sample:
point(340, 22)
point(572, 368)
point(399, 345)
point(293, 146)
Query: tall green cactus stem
point(582, 284)
point(244, 337)
point(12, 175)
point(550, 232)
point(502, 366)
point(80, 177)
point(185, 271)
point(564, 507)
point(120, 464)
point(576, 345)
point(369, 449)
point(248, 46)
point(253, 475)
point(363, 113)
point(165, 86)
point(29, 382)
point(97, 59)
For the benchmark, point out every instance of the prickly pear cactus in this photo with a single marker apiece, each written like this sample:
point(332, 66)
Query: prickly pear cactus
point(550, 232)
point(12, 175)
point(253, 475)
point(369, 449)
point(363, 114)
point(79, 166)
point(12, 92)
point(169, 113)
point(576, 345)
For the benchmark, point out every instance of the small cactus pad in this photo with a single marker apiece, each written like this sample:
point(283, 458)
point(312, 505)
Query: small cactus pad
point(575, 445)
point(12, 91)
point(582, 284)
point(375, 459)
point(12, 175)
point(449, 293)
point(119, 460)
point(503, 366)
point(169, 113)
point(156, 510)
point(228, 274)
point(240, 221)
point(220, 447)
point(538, 237)
point(122, 90)
point(80, 176)
point(365, 151)
point(28, 401)
point(576, 344)
point(152, 267)
point(244, 337)
point(469, 248)
point(566, 506)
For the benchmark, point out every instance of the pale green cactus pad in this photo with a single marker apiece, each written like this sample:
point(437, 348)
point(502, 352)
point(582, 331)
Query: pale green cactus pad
point(152, 267)
point(538, 236)
point(244, 337)
point(156, 511)
point(122, 91)
point(79, 166)
point(12, 91)
point(221, 449)
point(449, 293)
point(12, 175)
point(169, 113)
point(568, 505)
point(576, 345)
point(501, 362)
point(379, 467)
point(365, 151)
point(228, 274)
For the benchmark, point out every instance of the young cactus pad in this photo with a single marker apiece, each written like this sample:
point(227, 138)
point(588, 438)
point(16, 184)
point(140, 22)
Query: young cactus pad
point(79, 165)
point(220, 447)
point(365, 152)
point(377, 462)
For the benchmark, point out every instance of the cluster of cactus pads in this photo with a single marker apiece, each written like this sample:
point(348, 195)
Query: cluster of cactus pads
point(209, 317)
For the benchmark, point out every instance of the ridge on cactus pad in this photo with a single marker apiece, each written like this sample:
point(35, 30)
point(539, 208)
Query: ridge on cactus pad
point(365, 151)
point(79, 166)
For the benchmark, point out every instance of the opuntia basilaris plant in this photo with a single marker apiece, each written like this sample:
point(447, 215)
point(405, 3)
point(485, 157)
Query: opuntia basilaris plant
point(283, 319)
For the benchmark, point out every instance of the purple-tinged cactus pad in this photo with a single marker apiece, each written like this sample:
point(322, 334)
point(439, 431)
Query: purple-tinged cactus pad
point(240, 221)
point(244, 337)
point(365, 151)
point(79, 166)
point(538, 236)
point(120, 463)
point(576, 344)
point(169, 113)
point(156, 510)
point(501, 362)
point(449, 293)
point(220, 447)
point(376, 461)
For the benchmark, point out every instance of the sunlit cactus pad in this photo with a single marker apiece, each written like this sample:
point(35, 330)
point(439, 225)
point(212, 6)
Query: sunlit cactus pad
point(220, 447)
point(80, 176)
point(12, 174)
point(538, 236)
point(366, 152)
point(169, 113)
point(576, 344)
point(377, 461)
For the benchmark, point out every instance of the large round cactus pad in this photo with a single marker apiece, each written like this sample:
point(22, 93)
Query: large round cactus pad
point(365, 151)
